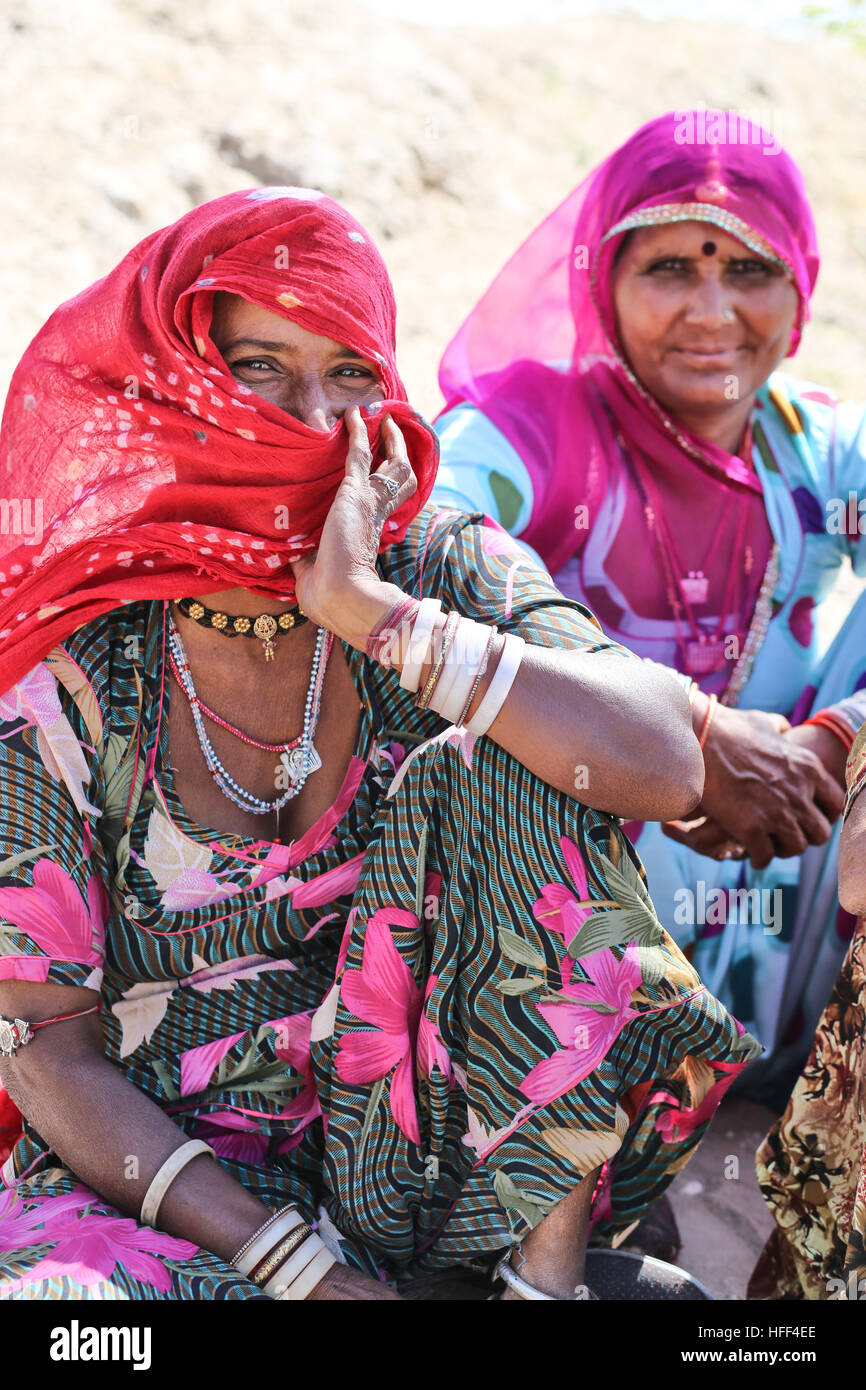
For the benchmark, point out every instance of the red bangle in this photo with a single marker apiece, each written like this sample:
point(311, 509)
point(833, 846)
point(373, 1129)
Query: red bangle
point(825, 720)
point(708, 719)
point(61, 1018)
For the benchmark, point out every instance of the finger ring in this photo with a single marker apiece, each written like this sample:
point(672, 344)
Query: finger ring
point(392, 486)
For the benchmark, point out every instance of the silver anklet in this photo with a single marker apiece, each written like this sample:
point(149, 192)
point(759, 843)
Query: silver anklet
point(504, 1271)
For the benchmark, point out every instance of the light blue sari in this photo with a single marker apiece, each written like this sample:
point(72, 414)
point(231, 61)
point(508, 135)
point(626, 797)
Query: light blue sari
point(771, 957)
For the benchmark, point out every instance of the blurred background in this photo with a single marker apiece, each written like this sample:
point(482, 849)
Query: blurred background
point(449, 128)
point(449, 141)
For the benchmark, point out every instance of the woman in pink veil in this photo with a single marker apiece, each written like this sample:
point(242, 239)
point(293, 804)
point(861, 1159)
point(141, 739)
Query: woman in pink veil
point(614, 400)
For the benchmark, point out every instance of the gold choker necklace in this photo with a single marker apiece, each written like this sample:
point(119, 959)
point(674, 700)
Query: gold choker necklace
point(266, 626)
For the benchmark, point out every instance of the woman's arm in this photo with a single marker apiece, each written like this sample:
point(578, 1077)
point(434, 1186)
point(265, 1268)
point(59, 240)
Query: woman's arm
point(107, 1131)
point(612, 731)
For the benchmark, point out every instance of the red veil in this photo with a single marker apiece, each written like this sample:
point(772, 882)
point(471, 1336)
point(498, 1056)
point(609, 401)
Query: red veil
point(135, 466)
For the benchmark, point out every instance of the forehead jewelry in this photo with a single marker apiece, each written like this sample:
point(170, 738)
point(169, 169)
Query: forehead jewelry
point(709, 248)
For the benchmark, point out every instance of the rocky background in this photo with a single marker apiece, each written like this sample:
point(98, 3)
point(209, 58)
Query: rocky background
point(450, 145)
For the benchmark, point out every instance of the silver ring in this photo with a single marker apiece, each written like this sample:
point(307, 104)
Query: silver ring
point(392, 486)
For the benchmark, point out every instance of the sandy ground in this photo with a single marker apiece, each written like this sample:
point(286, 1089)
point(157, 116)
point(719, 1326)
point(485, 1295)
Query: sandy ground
point(119, 115)
point(721, 1214)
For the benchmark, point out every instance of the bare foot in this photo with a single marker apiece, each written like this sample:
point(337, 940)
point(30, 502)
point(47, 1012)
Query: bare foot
point(344, 1285)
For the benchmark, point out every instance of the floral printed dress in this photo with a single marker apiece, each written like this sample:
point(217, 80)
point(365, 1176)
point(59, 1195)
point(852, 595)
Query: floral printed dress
point(423, 1021)
point(812, 1164)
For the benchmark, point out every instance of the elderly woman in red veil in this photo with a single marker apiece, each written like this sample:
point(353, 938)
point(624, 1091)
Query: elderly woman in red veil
point(315, 973)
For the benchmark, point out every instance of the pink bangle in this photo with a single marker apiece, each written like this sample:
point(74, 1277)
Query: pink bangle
point(380, 642)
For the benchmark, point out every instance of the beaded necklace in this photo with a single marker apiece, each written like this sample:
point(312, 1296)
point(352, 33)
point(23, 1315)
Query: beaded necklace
point(299, 758)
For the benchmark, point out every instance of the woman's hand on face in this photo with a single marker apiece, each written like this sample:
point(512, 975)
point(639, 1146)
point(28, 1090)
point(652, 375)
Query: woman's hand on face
point(767, 791)
point(336, 583)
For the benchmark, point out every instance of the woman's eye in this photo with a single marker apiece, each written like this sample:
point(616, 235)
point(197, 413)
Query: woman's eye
point(355, 374)
point(256, 364)
point(748, 267)
point(669, 263)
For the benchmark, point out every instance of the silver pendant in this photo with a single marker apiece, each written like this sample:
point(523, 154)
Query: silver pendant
point(300, 760)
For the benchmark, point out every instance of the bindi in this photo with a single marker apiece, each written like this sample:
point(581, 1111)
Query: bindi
point(709, 248)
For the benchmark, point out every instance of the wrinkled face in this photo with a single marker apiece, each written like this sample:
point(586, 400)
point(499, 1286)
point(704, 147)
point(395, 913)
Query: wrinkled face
point(313, 378)
point(700, 327)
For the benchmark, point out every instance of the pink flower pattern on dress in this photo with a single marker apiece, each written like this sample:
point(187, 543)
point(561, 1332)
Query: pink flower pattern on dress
point(559, 910)
point(53, 914)
point(496, 541)
point(233, 1136)
point(34, 700)
point(384, 993)
point(87, 1246)
point(198, 1064)
point(431, 1049)
point(675, 1124)
point(293, 1046)
point(586, 1033)
point(195, 888)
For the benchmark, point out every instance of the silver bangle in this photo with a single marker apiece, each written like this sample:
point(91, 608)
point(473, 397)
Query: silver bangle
point(267, 1240)
point(504, 1271)
point(274, 1216)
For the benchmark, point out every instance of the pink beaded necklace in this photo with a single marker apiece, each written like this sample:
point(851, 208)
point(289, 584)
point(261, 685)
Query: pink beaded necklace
point(223, 723)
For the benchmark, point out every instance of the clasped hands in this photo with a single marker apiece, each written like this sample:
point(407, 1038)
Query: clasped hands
point(770, 789)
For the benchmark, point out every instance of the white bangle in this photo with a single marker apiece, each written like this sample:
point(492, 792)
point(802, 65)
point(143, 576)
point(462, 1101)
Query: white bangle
point(295, 1265)
point(454, 656)
point(472, 639)
point(419, 643)
point(268, 1239)
point(497, 691)
point(165, 1176)
point(309, 1277)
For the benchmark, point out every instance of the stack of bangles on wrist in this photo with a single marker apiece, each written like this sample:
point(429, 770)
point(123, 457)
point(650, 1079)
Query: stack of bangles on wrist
point(458, 654)
point(284, 1257)
point(826, 719)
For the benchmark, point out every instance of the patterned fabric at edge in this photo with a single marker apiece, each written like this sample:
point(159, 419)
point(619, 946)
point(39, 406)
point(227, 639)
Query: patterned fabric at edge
point(381, 1021)
point(812, 1164)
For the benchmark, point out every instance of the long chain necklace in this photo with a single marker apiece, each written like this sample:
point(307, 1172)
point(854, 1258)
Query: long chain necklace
point(299, 758)
point(223, 723)
point(701, 653)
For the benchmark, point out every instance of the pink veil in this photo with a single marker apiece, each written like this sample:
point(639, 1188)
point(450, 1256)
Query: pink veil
point(538, 353)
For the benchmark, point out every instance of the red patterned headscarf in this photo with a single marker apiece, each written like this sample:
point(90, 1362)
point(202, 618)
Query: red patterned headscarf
point(134, 465)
